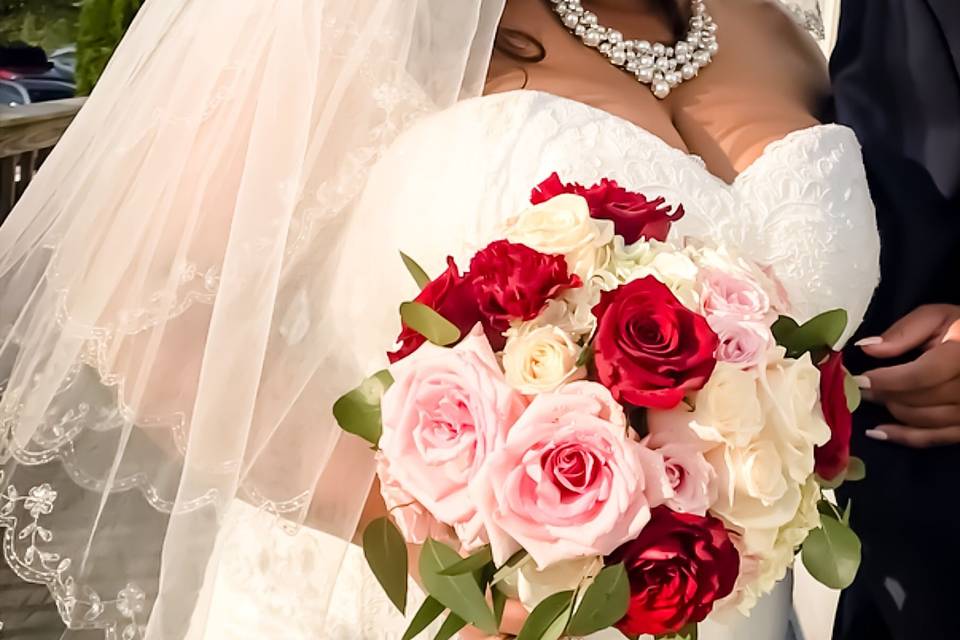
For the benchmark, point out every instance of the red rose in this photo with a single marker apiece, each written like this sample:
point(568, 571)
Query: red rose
point(832, 458)
point(649, 349)
point(514, 282)
point(678, 567)
point(452, 296)
point(634, 217)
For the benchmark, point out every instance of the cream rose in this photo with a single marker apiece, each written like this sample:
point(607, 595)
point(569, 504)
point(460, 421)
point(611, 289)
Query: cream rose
point(728, 409)
point(534, 585)
point(540, 359)
point(563, 226)
point(791, 401)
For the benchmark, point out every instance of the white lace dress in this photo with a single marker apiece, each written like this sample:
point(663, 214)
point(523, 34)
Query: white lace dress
point(803, 208)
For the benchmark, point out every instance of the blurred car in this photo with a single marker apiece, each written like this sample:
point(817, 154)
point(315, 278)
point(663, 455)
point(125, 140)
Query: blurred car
point(39, 78)
point(65, 61)
point(12, 94)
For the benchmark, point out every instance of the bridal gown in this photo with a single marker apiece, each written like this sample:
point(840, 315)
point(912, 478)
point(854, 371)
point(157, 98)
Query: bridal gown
point(802, 207)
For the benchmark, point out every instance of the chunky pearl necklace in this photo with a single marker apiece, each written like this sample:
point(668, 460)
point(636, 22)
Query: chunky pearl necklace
point(661, 66)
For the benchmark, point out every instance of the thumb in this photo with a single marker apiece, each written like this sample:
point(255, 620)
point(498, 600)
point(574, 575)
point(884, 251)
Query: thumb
point(914, 330)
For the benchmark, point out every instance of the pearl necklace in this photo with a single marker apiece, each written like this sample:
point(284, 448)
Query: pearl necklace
point(661, 66)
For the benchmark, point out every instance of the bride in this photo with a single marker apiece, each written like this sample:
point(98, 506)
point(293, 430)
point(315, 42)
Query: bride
point(209, 259)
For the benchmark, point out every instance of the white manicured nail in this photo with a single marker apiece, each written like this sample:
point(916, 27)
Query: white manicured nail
point(862, 381)
point(876, 434)
point(868, 342)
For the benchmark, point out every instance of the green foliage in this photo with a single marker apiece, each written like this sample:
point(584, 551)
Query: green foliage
point(102, 24)
point(50, 24)
point(831, 553)
point(358, 411)
point(461, 594)
point(549, 618)
point(386, 553)
point(604, 602)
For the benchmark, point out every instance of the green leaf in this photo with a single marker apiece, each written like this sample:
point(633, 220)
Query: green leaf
point(828, 509)
point(845, 519)
point(499, 603)
point(478, 560)
point(852, 391)
point(386, 553)
point(604, 602)
point(832, 553)
point(419, 275)
point(548, 620)
point(458, 593)
point(856, 470)
point(783, 328)
point(585, 356)
point(832, 483)
point(511, 566)
point(820, 332)
point(358, 411)
point(429, 611)
point(450, 626)
point(689, 632)
point(428, 323)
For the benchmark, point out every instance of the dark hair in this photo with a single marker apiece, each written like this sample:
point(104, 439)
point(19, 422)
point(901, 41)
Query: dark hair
point(523, 47)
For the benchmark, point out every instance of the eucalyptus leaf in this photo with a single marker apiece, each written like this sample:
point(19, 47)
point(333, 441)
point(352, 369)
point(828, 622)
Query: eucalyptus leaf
point(386, 553)
point(828, 509)
point(419, 275)
point(820, 332)
point(428, 323)
point(429, 611)
point(852, 391)
point(511, 566)
point(604, 602)
point(586, 356)
point(831, 553)
point(459, 593)
point(358, 411)
point(856, 470)
point(450, 626)
point(499, 603)
point(783, 328)
point(480, 559)
point(832, 483)
point(549, 618)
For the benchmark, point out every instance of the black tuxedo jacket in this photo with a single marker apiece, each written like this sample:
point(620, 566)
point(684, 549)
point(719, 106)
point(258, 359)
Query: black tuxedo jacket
point(896, 82)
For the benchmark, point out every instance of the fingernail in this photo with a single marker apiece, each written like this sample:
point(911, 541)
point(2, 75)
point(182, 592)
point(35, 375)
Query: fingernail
point(862, 381)
point(876, 434)
point(868, 342)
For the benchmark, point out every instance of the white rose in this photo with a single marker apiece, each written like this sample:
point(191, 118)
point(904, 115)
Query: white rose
point(791, 401)
point(663, 261)
point(728, 409)
point(563, 226)
point(572, 311)
point(534, 585)
point(540, 359)
point(755, 494)
point(763, 569)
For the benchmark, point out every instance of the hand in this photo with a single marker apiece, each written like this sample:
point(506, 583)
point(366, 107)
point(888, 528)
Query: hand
point(923, 395)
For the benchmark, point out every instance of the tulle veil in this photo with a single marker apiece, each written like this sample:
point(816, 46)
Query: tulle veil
point(182, 293)
point(179, 308)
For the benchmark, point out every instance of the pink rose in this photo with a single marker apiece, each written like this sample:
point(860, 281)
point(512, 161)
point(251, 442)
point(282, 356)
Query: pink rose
point(568, 483)
point(692, 478)
point(737, 296)
point(742, 342)
point(446, 411)
point(414, 521)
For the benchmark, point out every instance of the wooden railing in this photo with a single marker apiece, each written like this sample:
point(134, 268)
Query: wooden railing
point(27, 134)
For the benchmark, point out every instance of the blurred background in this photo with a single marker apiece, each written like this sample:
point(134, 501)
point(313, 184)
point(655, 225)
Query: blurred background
point(55, 49)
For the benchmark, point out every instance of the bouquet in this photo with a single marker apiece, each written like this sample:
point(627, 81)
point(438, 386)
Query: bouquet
point(619, 428)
